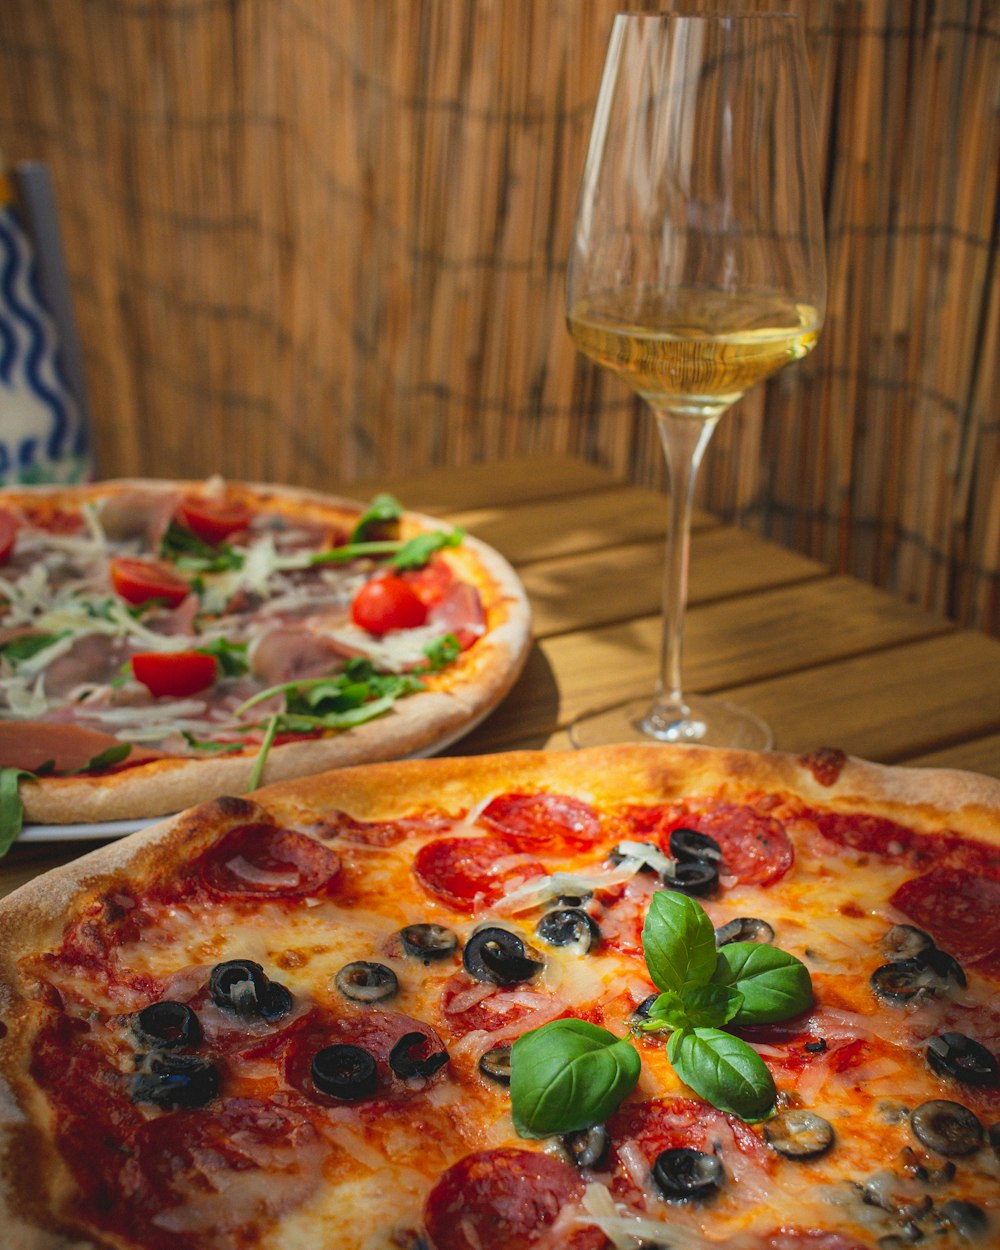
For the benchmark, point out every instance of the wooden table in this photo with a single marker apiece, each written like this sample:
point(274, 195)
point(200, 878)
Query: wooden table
point(826, 660)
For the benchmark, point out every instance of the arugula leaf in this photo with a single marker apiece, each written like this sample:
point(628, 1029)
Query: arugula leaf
point(440, 653)
point(379, 520)
point(106, 758)
point(412, 554)
point(187, 551)
point(231, 657)
point(23, 648)
point(568, 1075)
point(205, 744)
point(774, 984)
point(679, 942)
point(724, 1070)
point(265, 749)
point(11, 806)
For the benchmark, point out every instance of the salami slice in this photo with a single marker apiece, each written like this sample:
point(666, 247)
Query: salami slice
point(543, 820)
point(265, 861)
point(465, 872)
point(505, 1200)
point(961, 912)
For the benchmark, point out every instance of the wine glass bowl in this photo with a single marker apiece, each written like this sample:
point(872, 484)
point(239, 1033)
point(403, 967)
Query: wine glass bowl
point(696, 271)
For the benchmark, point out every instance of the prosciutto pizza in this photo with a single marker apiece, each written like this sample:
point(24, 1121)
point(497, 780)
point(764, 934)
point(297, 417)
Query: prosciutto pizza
point(623, 998)
point(164, 642)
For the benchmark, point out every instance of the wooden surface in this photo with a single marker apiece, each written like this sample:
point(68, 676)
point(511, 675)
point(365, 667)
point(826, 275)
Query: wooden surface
point(825, 659)
point(318, 239)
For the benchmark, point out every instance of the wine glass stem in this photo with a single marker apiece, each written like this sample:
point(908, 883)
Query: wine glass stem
point(684, 439)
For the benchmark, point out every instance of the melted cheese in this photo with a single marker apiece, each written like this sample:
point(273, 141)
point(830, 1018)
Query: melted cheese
point(831, 910)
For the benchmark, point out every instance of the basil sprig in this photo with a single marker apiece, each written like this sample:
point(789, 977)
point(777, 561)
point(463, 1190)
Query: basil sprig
point(568, 1075)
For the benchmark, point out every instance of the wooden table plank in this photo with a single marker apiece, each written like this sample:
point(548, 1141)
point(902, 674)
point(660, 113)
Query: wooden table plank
point(729, 643)
point(443, 490)
point(981, 755)
point(597, 588)
point(568, 526)
point(894, 705)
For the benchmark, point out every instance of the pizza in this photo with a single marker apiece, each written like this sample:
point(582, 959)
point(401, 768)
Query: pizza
point(165, 642)
point(448, 1004)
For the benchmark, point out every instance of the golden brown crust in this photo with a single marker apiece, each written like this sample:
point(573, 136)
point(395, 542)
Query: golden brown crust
point(33, 918)
point(453, 704)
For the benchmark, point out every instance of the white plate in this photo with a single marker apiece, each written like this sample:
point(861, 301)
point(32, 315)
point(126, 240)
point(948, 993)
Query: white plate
point(80, 833)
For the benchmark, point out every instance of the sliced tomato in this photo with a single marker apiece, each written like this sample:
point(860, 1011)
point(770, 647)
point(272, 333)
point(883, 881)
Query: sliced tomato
point(8, 534)
point(387, 603)
point(174, 673)
point(138, 581)
point(213, 520)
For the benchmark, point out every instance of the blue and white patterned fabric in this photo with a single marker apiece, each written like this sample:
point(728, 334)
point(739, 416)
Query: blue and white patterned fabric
point(43, 436)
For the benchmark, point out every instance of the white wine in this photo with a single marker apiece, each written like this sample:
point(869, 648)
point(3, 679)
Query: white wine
point(692, 349)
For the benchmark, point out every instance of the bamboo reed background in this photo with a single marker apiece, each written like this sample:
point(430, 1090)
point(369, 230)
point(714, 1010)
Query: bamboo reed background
point(321, 240)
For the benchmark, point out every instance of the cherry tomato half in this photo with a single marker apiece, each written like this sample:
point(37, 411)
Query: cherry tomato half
point(176, 673)
point(138, 581)
point(213, 520)
point(387, 603)
point(8, 534)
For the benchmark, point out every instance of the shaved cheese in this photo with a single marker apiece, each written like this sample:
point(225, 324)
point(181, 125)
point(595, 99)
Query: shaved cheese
point(539, 890)
point(394, 652)
point(628, 1231)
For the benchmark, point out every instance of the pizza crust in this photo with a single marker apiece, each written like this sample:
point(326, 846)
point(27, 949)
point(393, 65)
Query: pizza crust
point(33, 918)
point(455, 701)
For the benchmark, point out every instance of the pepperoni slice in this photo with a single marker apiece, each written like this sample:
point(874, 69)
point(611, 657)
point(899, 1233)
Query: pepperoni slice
point(266, 861)
point(504, 1200)
point(375, 1031)
point(959, 910)
point(666, 1124)
point(465, 872)
point(756, 849)
point(543, 819)
point(467, 1005)
point(381, 832)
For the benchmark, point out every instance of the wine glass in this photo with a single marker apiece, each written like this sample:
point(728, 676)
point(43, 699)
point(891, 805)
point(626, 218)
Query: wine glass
point(696, 270)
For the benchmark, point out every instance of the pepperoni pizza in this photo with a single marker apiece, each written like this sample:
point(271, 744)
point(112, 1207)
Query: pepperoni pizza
point(164, 642)
point(299, 1019)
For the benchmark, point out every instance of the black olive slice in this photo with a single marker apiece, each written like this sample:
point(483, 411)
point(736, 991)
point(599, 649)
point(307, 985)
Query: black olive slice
point(495, 1064)
point(364, 982)
point(685, 1174)
point(344, 1071)
point(905, 941)
point(640, 1012)
point(405, 1063)
point(569, 926)
point(571, 900)
point(798, 1134)
point(618, 854)
point(899, 981)
point(696, 877)
point(165, 1025)
point(499, 956)
point(277, 1002)
point(588, 1147)
point(946, 1127)
point(428, 941)
point(958, 1056)
point(968, 1220)
point(942, 966)
point(994, 1136)
point(176, 1081)
point(238, 985)
point(744, 929)
point(688, 845)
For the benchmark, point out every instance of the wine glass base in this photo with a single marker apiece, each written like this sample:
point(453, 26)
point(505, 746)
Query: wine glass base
point(710, 722)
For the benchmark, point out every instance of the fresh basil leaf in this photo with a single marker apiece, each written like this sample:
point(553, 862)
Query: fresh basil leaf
point(774, 984)
point(723, 1070)
point(415, 553)
point(712, 1005)
point(379, 520)
point(679, 942)
point(669, 1011)
point(568, 1075)
point(11, 806)
point(106, 758)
